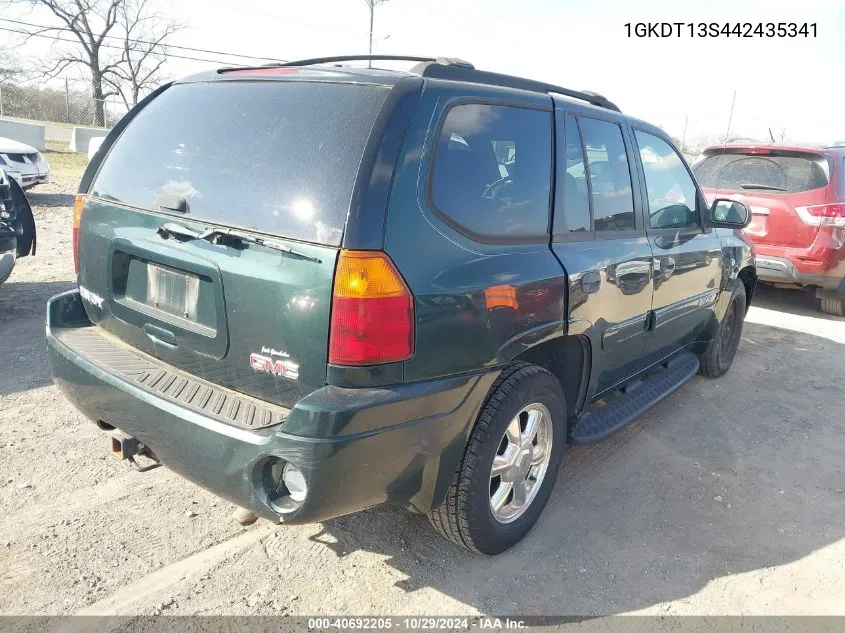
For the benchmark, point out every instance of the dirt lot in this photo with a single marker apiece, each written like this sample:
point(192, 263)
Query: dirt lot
point(725, 499)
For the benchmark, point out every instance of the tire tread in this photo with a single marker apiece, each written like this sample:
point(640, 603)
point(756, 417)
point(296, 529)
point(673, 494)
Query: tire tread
point(833, 305)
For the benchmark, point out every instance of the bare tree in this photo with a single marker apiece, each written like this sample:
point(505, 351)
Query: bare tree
point(143, 50)
point(10, 67)
point(89, 22)
point(99, 25)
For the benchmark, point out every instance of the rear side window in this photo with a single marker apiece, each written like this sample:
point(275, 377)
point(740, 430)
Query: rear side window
point(762, 170)
point(671, 191)
point(492, 171)
point(610, 175)
point(277, 157)
point(572, 208)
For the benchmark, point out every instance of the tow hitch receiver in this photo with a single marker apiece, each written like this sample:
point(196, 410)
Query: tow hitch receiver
point(126, 447)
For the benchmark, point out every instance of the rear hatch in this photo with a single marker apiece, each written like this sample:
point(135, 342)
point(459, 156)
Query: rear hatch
point(210, 234)
point(775, 184)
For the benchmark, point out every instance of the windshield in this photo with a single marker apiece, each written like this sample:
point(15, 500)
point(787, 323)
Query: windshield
point(278, 157)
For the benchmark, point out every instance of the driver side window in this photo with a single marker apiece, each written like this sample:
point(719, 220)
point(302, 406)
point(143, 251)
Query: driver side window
point(491, 175)
point(671, 190)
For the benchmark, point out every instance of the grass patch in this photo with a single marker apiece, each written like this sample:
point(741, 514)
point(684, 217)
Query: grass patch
point(63, 162)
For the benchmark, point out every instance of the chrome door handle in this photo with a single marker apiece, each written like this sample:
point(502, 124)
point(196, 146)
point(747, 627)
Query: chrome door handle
point(667, 265)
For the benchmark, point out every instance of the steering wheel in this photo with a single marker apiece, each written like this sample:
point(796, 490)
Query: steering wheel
point(492, 190)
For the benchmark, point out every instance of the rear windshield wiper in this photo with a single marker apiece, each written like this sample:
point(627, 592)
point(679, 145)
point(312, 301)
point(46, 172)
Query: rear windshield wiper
point(171, 229)
point(217, 235)
point(766, 187)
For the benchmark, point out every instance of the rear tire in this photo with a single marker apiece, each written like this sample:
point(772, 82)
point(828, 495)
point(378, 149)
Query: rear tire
point(525, 395)
point(7, 264)
point(834, 305)
point(719, 355)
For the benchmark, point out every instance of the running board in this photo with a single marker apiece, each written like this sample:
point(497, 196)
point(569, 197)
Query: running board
point(594, 426)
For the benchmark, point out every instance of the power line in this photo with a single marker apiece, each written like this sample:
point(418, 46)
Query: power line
point(139, 41)
point(118, 48)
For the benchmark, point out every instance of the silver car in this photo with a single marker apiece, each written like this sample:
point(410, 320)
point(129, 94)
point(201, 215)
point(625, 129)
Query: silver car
point(23, 163)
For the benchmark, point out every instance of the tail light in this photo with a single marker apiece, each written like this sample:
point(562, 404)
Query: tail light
point(372, 318)
point(823, 214)
point(78, 208)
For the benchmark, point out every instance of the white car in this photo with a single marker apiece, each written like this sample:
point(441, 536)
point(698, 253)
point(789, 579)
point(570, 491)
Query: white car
point(23, 163)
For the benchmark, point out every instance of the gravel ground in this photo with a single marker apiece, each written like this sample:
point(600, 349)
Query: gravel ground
point(725, 499)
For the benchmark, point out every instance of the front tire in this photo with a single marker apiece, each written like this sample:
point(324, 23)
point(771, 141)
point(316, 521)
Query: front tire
point(510, 463)
point(7, 263)
point(719, 355)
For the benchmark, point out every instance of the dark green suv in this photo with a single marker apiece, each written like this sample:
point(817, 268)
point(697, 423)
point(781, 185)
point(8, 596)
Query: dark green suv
point(313, 289)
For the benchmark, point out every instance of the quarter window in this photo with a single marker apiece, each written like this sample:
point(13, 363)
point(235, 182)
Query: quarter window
point(492, 170)
point(671, 190)
point(610, 176)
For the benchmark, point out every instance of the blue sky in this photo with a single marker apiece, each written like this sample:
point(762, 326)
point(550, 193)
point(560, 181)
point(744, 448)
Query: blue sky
point(786, 84)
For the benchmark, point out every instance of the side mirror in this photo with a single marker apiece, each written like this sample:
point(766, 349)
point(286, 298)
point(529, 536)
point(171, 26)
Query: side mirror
point(729, 214)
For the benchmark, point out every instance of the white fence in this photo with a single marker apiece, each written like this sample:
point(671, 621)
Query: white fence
point(29, 133)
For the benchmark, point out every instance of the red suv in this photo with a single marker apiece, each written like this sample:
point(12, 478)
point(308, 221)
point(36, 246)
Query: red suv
point(796, 194)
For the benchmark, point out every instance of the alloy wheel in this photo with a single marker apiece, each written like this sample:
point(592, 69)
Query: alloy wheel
point(521, 462)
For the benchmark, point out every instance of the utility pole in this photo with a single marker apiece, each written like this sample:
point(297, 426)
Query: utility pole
point(372, 5)
point(684, 135)
point(67, 102)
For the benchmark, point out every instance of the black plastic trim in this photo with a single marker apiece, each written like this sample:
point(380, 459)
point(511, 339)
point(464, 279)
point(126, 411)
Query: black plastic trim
point(595, 426)
point(169, 383)
point(352, 58)
point(460, 73)
point(366, 377)
point(371, 195)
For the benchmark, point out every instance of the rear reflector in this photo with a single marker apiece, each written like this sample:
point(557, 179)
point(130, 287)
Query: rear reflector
point(372, 319)
point(78, 208)
point(823, 214)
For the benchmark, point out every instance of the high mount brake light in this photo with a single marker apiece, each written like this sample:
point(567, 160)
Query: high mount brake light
point(372, 319)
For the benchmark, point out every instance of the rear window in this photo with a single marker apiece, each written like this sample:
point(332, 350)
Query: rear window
point(277, 157)
point(784, 172)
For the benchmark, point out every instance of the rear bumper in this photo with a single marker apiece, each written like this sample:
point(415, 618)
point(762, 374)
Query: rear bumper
point(368, 446)
point(776, 269)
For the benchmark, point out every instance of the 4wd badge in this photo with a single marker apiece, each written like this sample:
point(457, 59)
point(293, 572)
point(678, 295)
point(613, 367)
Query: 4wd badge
point(265, 363)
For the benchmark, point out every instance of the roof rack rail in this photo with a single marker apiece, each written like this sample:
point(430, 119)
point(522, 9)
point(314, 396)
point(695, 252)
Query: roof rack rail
point(442, 61)
point(461, 73)
point(453, 69)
